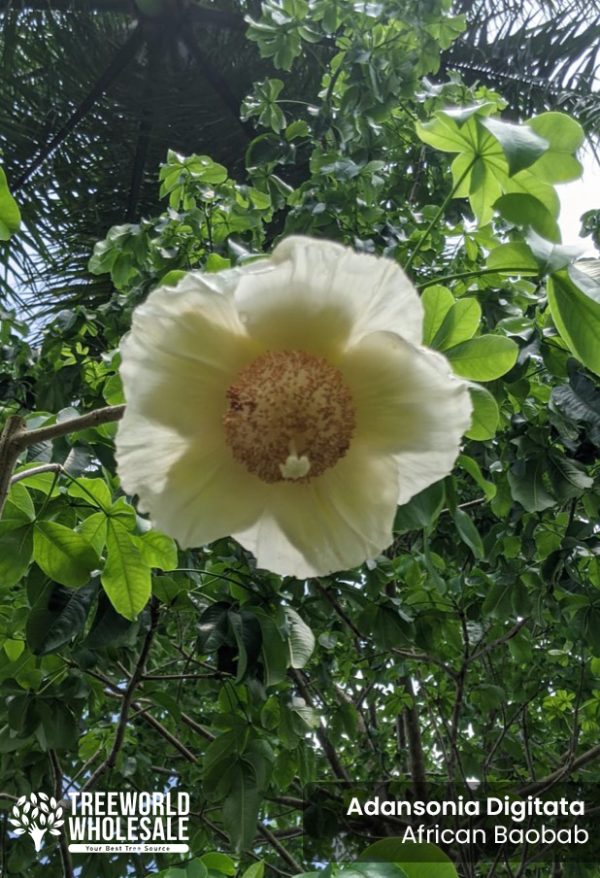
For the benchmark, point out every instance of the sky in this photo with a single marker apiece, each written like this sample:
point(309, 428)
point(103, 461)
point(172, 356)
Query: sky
point(576, 198)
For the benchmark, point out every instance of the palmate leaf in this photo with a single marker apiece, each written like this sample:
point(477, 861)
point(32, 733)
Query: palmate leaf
point(506, 166)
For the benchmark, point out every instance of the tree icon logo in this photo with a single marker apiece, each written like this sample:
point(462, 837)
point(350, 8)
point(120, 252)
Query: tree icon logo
point(37, 814)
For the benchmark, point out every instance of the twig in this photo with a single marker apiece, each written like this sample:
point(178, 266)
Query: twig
point(166, 734)
point(546, 783)
point(36, 471)
point(16, 438)
point(326, 745)
point(127, 702)
point(283, 853)
point(498, 642)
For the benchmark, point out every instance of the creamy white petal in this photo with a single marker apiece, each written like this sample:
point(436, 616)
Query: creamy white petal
point(185, 346)
point(319, 296)
point(420, 470)
point(406, 397)
point(146, 451)
point(194, 494)
point(332, 523)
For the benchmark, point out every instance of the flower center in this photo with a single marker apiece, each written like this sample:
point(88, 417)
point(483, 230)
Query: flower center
point(290, 416)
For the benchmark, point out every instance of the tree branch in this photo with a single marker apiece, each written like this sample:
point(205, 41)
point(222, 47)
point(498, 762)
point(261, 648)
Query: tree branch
point(16, 438)
point(328, 748)
point(283, 853)
point(490, 647)
point(127, 702)
point(568, 768)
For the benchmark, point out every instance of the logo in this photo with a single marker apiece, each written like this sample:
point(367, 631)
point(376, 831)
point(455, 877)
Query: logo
point(37, 814)
point(107, 822)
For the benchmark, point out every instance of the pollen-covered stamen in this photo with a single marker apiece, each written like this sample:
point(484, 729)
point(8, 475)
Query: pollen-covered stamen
point(290, 416)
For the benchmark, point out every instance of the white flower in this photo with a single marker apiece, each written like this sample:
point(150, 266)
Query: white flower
point(288, 403)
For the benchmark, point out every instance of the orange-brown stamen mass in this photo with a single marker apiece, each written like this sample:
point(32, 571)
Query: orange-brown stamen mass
point(290, 416)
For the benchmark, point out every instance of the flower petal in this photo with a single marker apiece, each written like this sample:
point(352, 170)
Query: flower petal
point(406, 397)
point(185, 345)
point(332, 523)
point(145, 453)
point(194, 493)
point(319, 296)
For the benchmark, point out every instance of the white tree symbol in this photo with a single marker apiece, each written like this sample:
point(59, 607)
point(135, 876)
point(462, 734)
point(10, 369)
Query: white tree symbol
point(37, 814)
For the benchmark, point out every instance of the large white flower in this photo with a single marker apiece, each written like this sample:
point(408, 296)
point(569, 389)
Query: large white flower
point(288, 403)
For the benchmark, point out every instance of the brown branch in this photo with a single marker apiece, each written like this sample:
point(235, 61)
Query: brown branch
point(165, 733)
point(127, 702)
point(326, 745)
point(283, 853)
point(73, 425)
point(9, 453)
point(16, 438)
point(565, 770)
point(36, 471)
point(490, 647)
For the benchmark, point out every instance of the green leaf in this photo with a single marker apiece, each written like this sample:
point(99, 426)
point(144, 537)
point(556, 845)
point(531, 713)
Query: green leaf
point(19, 503)
point(551, 257)
point(437, 301)
point(580, 401)
point(16, 549)
point(158, 550)
point(513, 259)
point(470, 465)
point(109, 628)
point(460, 323)
point(558, 164)
point(468, 532)
point(485, 416)
point(523, 209)
point(256, 870)
point(422, 510)
point(240, 809)
point(525, 478)
point(203, 169)
point(484, 358)
point(126, 577)
point(415, 859)
point(373, 870)
point(577, 318)
point(219, 863)
point(220, 752)
point(520, 144)
point(59, 726)
point(58, 615)
point(64, 555)
point(94, 530)
point(10, 216)
point(301, 640)
point(568, 480)
point(585, 274)
point(274, 650)
point(93, 491)
point(13, 649)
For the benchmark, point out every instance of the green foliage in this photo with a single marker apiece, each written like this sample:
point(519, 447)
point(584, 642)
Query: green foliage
point(481, 620)
point(10, 216)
